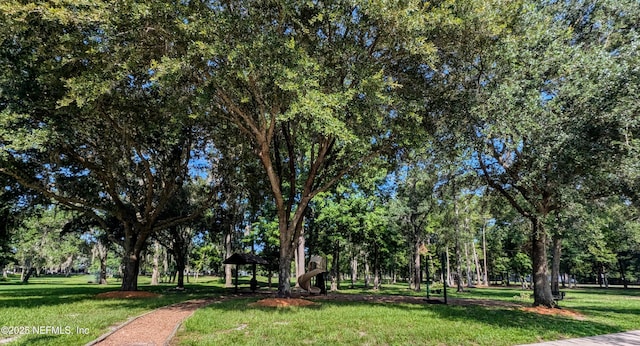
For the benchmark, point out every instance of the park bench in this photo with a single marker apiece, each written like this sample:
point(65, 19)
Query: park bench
point(559, 295)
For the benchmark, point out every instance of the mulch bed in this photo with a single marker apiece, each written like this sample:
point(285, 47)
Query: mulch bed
point(385, 299)
point(127, 295)
point(282, 302)
point(554, 312)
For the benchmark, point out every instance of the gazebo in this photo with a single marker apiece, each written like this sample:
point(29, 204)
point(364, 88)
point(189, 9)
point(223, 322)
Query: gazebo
point(246, 258)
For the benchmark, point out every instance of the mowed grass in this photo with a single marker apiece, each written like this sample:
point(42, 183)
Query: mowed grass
point(350, 323)
point(72, 302)
point(360, 323)
point(65, 311)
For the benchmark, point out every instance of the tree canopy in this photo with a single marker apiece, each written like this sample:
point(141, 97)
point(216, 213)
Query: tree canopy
point(143, 115)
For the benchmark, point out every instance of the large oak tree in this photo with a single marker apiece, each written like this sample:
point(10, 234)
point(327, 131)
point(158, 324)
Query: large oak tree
point(315, 87)
point(546, 118)
point(84, 123)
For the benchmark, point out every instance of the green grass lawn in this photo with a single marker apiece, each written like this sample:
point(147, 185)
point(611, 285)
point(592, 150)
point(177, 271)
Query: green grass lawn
point(70, 302)
point(361, 323)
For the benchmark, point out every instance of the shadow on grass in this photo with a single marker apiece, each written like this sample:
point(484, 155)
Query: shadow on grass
point(613, 291)
point(537, 323)
point(38, 295)
point(40, 339)
point(490, 293)
point(493, 317)
point(606, 311)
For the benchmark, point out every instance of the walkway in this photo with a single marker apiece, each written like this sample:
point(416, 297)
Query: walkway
point(154, 328)
point(631, 338)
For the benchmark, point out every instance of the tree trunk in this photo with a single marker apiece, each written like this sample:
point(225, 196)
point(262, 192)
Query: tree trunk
point(354, 270)
point(600, 278)
point(181, 263)
point(366, 273)
point(468, 264)
point(458, 250)
point(376, 275)
point(335, 268)
point(541, 288)
point(284, 270)
point(417, 267)
point(30, 272)
point(165, 265)
point(484, 255)
point(376, 268)
point(228, 275)
point(555, 265)
point(410, 265)
point(155, 275)
point(27, 271)
point(448, 278)
point(68, 265)
point(623, 273)
point(131, 269)
point(300, 258)
point(134, 240)
point(102, 252)
point(102, 279)
point(458, 274)
point(477, 263)
point(290, 231)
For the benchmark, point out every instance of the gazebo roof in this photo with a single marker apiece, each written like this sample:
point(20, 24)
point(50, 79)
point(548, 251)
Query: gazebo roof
point(245, 258)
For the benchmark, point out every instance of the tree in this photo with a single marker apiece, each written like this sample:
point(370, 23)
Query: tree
point(335, 221)
point(266, 230)
point(29, 249)
point(508, 236)
point(380, 240)
point(204, 256)
point(16, 205)
point(521, 266)
point(312, 86)
point(178, 239)
point(42, 243)
point(71, 72)
point(607, 241)
point(540, 114)
point(100, 249)
point(414, 204)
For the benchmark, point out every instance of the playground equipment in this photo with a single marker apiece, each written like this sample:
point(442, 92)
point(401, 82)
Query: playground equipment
point(316, 268)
